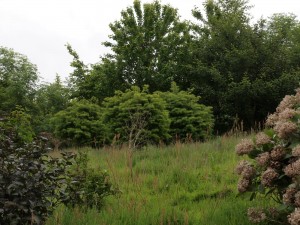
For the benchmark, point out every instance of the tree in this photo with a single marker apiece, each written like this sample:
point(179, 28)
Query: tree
point(276, 73)
point(137, 117)
point(189, 119)
point(18, 79)
point(223, 51)
point(282, 41)
point(232, 58)
point(80, 123)
point(149, 45)
point(77, 80)
point(102, 81)
point(50, 99)
point(94, 82)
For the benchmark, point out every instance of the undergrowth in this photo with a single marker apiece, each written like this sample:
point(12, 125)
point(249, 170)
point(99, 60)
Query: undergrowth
point(179, 184)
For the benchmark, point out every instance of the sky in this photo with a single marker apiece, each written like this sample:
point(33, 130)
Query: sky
point(40, 29)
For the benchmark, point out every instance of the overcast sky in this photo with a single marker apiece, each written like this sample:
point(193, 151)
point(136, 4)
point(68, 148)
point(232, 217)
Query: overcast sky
point(40, 29)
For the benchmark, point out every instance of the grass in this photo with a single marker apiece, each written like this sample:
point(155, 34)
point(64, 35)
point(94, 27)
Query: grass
point(180, 184)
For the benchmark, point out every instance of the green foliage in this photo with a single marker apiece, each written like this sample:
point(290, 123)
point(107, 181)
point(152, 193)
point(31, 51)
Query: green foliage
point(233, 58)
point(137, 117)
point(50, 99)
point(221, 57)
point(33, 184)
point(149, 44)
point(177, 184)
point(102, 81)
point(81, 123)
point(19, 121)
point(189, 119)
point(77, 80)
point(87, 187)
point(275, 166)
point(18, 79)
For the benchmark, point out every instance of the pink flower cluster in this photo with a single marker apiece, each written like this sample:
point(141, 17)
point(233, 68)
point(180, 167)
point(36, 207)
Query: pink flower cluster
point(276, 164)
point(294, 217)
point(247, 172)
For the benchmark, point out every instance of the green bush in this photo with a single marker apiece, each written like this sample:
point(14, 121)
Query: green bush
point(189, 119)
point(275, 166)
point(80, 123)
point(87, 187)
point(137, 117)
point(19, 121)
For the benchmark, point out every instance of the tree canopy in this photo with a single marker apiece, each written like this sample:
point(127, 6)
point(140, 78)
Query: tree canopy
point(239, 68)
point(18, 80)
point(148, 43)
point(223, 63)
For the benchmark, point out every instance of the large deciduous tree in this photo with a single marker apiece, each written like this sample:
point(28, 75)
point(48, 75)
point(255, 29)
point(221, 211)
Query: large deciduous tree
point(223, 52)
point(149, 45)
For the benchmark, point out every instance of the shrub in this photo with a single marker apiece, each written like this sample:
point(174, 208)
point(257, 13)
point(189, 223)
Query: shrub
point(274, 169)
point(19, 121)
point(81, 123)
point(32, 183)
point(138, 117)
point(87, 187)
point(189, 119)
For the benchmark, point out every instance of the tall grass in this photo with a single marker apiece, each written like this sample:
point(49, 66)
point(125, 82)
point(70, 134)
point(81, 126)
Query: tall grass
point(180, 184)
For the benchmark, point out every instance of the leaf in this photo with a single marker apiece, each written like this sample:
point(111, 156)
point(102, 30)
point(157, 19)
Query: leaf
point(253, 195)
point(282, 207)
point(270, 191)
point(270, 132)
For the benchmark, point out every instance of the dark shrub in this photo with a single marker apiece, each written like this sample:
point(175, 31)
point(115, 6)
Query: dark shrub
point(32, 183)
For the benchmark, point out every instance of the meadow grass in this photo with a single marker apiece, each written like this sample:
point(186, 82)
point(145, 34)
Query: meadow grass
point(179, 184)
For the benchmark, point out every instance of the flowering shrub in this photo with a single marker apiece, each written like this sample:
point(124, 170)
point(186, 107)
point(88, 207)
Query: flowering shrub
point(274, 165)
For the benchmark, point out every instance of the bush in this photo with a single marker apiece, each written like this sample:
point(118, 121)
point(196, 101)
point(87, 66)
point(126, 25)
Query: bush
point(81, 123)
point(19, 121)
point(275, 166)
point(189, 119)
point(87, 187)
point(137, 117)
point(32, 183)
